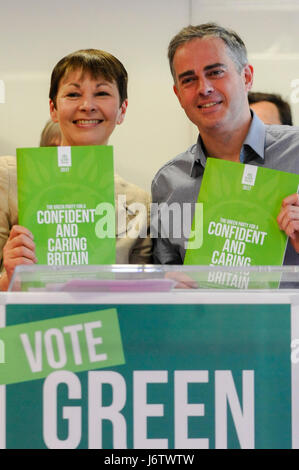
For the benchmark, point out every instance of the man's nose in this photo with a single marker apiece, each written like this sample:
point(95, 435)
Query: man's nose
point(205, 87)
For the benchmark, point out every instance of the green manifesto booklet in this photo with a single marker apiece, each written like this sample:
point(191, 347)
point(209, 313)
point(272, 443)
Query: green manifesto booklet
point(66, 199)
point(240, 204)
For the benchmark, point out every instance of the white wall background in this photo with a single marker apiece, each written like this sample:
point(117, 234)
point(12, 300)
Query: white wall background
point(35, 34)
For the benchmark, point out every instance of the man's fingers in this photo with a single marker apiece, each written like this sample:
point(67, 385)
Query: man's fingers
point(286, 215)
point(291, 228)
point(293, 199)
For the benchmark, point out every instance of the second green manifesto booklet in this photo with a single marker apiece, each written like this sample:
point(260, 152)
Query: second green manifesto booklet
point(239, 204)
point(66, 199)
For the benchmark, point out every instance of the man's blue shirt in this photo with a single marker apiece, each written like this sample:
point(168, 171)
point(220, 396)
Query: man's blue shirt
point(179, 181)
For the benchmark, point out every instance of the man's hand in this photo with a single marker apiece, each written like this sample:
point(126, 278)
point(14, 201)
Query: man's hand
point(288, 219)
point(19, 249)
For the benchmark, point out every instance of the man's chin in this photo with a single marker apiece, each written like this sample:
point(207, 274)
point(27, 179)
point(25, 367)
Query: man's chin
point(209, 125)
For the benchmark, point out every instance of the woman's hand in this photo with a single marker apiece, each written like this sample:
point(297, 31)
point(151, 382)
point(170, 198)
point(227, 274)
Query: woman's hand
point(19, 249)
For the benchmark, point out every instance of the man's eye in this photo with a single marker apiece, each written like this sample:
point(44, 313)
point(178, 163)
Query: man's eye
point(187, 80)
point(216, 73)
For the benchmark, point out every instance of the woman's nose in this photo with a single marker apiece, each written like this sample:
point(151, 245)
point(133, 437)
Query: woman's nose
point(87, 105)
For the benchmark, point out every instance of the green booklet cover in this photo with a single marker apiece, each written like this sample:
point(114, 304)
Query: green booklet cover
point(238, 206)
point(66, 199)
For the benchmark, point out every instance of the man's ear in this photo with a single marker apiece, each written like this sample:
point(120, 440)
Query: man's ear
point(122, 112)
point(248, 76)
point(53, 111)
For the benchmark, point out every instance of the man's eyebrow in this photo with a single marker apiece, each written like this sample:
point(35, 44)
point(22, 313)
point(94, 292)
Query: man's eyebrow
point(188, 73)
point(212, 66)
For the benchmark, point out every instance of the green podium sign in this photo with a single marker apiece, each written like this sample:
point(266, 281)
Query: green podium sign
point(151, 376)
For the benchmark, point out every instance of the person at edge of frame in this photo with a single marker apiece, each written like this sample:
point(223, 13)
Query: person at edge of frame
point(270, 108)
point(50, 135)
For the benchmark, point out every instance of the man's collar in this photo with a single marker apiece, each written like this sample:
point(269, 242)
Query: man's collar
point(255, 139)
point(199, 157)
point(256, 136)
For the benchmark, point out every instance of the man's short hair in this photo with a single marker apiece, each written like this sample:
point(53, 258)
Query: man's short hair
point(96, 63)
point(284, 109)
point(235, 45)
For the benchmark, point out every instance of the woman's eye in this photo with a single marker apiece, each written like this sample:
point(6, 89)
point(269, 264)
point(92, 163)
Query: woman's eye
point(73, 95)
point(102, 93)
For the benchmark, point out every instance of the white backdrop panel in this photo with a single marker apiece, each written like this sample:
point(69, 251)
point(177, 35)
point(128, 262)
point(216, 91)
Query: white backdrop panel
point(34, 35)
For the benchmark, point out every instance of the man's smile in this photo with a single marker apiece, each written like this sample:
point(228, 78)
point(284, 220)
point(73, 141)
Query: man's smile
point(209, 105)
